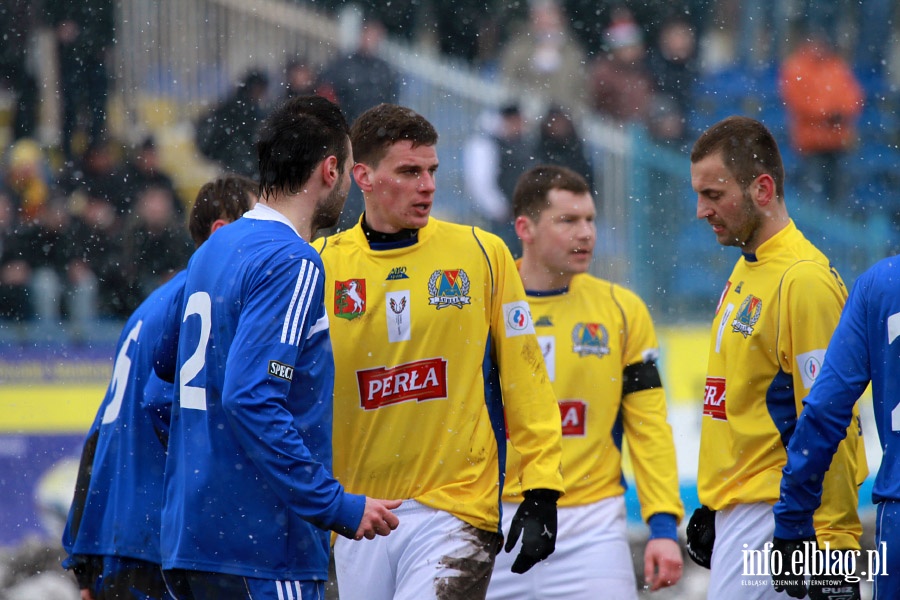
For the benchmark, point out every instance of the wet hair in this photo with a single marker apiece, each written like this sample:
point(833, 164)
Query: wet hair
point(382, 126)
point(530, 197)
point(227, 197)
point(748, 150)
point(298, 135)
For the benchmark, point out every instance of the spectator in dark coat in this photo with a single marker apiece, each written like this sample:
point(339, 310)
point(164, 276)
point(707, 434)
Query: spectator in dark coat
point(559, 143)
point(361, 80)
point(227, 134)
point(85, 32)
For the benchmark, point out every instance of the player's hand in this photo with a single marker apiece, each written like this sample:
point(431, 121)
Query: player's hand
point(535, 520)
point(662, 563)
point(822, 588)
point(377, 518)
point(701, 536)
point(86, 595)
point(791, 583)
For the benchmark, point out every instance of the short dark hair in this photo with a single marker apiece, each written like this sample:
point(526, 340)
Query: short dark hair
point(227, 197)
point(382, 126)
point(748, 150)
point(299, 134)
point(530, 195)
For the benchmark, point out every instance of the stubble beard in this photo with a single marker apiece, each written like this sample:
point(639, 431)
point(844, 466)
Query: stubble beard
point(749, 227)
point(328, 211)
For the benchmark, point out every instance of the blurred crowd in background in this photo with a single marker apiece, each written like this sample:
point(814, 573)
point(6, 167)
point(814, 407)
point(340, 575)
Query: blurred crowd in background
point(91, 222)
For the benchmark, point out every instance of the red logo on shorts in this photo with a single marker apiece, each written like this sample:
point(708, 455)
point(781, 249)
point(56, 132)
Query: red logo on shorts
point(421, 380)
point(714, 398)
point(573, 413)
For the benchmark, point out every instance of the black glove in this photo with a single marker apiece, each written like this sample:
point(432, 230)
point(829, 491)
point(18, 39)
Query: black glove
point(792, 583)
point(536, 521)
point(701, 536)
point(822, 587)
point(87, 570)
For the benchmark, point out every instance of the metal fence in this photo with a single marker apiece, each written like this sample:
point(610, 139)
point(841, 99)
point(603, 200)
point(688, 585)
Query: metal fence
point(182, 55)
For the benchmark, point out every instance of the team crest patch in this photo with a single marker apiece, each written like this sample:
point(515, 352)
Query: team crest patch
point(590, 338)
point(449, 288)
point(350, 298)
point(747, 316)
point(397, 273)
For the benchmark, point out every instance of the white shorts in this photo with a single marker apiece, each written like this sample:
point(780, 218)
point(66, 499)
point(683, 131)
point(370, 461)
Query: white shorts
point(431, 555)
point(740, 529)
point(592, 558)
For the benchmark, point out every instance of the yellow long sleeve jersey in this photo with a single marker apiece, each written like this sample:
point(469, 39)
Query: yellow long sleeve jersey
point(428, 336)
point(600, 348)
point(772, 326)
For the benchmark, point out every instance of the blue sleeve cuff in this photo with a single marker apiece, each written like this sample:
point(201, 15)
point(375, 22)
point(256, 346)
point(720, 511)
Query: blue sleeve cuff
point(794, 525)
point(349, 515)
point(663, 525)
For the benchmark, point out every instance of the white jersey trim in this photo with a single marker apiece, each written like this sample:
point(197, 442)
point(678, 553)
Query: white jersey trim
point(263, 212)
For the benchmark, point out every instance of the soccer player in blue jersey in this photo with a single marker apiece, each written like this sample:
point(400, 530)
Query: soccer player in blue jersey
point(112, 533)
point(249, 494)
point(863, 349)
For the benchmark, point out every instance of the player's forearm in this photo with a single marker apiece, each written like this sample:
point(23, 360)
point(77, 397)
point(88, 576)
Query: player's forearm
point(652, 450)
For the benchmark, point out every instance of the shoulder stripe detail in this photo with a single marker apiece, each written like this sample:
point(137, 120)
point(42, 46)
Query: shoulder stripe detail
point(299, 304)
point(320, 325)
point(312, 275)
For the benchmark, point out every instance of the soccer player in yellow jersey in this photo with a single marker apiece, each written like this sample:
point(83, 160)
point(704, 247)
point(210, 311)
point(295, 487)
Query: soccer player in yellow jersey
point(600, 349)
point(775, 317)
point(433, 346)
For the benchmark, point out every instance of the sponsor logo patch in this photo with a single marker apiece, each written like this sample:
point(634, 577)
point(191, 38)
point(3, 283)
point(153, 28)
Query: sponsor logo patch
point(449, 288)
point(397, 309)
point(416, 381)
point(810, 364)
point(548, 349)
point(397, 273)
point(590, 339)
point(714, 399)
point(722, 296)
point(747, 316)
point(572, 413)
point(281, 370)
point(350, 298)
point(543, 321)
point(517, 318)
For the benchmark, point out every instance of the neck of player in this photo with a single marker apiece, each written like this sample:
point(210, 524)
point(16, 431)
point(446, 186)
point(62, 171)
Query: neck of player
point(538, 277)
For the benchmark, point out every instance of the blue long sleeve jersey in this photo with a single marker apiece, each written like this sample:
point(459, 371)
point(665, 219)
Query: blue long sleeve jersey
point(248, 485)
point(864, 348)
point(117, 508)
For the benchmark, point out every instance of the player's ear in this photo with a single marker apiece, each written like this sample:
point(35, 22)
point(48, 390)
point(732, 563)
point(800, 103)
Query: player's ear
point(330, 173)
point(363, 176)
point(524, 229)
point(218, 224)
point(763, 189)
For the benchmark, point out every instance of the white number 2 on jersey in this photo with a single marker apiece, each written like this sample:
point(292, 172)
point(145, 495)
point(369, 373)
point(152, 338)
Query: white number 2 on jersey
point(893, 326)
point(121, 371)
point(194, 396)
